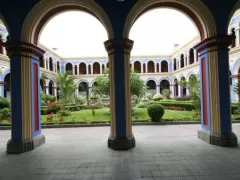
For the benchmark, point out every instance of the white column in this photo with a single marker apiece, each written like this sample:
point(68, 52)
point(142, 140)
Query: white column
point(78, 69)
point(1, 89)
point(76, 92)
point(160, 67)
point(179, 91)
point(48, 62)
point(55, 91)
point(141, 67)
point(73, 69)
point(100, 68)
point(185, 60)
point(237, 37)
point(195, 56)
point(188, 59)
point(155, 66)
point(133, 66)
point(187, 91)
point(91, 68)
point(179, 64)
point(87, 68)
point(146, 67)
point(172, 90)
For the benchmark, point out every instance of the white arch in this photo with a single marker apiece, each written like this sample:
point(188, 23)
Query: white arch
point(197, 7)
point(45, 6)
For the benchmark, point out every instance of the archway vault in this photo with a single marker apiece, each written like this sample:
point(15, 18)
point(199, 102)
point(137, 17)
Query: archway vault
point(47, 9)
point(195, 10)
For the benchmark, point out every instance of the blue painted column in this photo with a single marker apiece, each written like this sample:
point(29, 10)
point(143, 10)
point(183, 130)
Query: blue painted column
point(25, 97)
point(121, 137)
point(215, 92)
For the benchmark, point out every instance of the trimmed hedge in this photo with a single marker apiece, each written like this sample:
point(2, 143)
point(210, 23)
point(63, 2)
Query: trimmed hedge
point(71, 108)
point(174, 105)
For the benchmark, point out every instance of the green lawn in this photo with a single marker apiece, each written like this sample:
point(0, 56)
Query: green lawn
point(101, 116)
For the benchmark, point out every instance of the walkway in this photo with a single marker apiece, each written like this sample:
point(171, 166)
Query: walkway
point(162, 153)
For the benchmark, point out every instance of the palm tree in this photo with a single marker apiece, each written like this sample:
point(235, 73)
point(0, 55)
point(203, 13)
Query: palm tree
point(66, 86)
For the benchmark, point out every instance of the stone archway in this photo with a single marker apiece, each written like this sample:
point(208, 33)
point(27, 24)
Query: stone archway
point(164, 66)
point(164, 84)
point(96, 68)
point(7, 86)
point(137, 66)
point(69, 68)
point(151, 86)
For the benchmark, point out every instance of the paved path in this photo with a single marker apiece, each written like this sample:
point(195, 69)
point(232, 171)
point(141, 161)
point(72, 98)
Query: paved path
point(162, 153)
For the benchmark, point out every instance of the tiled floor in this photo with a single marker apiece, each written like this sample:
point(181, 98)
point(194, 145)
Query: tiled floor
point(162, 153)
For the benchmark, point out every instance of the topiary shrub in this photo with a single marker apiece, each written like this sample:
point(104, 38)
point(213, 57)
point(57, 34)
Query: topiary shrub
point(155, 112)
point(62, 113)
point(157, 97)
point(5, 113)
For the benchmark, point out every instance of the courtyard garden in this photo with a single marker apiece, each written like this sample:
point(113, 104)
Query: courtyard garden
point(94, 107)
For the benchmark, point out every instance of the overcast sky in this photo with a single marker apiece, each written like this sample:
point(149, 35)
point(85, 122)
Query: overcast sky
point(78, 34)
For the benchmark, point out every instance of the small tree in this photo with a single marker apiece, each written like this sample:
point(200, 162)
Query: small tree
point(102, 86)
point(66, 89)
point(194, 90)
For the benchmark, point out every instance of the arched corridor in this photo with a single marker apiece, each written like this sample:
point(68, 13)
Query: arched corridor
point(151, 86)
point(69, 68)
point(137, 66)
point(164, 84)
point(96, 68)
point(82, 68)
point(164, 66)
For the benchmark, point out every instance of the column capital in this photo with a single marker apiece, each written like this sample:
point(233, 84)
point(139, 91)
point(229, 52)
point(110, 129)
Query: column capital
point(214, 42)
point(118, 46)
point(17, 48)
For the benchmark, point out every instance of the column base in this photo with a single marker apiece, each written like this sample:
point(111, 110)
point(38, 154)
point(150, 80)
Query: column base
point(121, 143)
point(224, 140)
point(25, 146)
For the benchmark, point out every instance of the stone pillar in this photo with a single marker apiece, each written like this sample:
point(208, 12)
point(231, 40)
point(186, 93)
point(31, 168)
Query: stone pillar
point(141, 67)
point(101, 69)
point(185, 60)
point(48, 64)
point(87, 68)
point(91, 68)
point(146, 67)
point(158, 88)
point(55, 91)
point(73, 69)
point(46, 89)
point(121, 136)
point(63, 69)
point(25, 97)
point(188, 59)
point(237, 37)
point(1, 88)
point(215, 92)
point(172, 91)
point(179, 91)
point(195, 56)
point(76, 92)
point(160, 67)
point(155, 67)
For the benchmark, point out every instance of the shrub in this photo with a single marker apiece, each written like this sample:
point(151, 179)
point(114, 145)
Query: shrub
point(149, 96)
point(142, 105)
point(62, 113)
point(186, 98)
point(155, 112)
point(4, 103)
point(95, 106)
point(157, 97)
point(53, 107)
point(80, 100)
point(5, 113)
point(175, 105)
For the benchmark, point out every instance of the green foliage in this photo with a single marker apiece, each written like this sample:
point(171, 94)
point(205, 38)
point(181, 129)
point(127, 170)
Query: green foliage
point(64, 113)
point(4, 103)
point(157, 97)
point(80, 100)
point(175, 105)
point(66, 87)
point(166, 93)
point(155, 112)
point(149, 96)
point(53, 107)
point(186, 98)
point(102, 86)
point(194, 90)
point(5, 113)
point(142, 105)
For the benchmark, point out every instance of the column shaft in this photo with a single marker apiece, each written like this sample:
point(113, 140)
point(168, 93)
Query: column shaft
point(121, 137)
point(215, 92)
point(25, 97)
